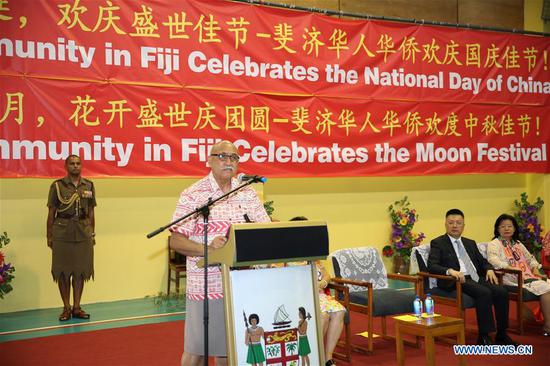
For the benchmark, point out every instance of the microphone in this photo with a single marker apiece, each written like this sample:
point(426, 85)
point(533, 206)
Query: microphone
point(249, 177)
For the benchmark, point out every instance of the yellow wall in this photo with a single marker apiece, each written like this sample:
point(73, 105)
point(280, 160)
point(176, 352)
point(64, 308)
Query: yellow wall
point(130, 266)
point(356, 208)
point(127, 264)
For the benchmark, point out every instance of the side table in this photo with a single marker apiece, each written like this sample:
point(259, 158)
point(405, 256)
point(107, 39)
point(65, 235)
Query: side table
point(429, 328)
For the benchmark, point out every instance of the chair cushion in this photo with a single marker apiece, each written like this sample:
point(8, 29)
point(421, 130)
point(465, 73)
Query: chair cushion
point(527, 296)
point(467, 301)
point(386, 301)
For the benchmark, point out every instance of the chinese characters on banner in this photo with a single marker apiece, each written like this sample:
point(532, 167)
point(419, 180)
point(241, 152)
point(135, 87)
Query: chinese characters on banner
point(145, 88)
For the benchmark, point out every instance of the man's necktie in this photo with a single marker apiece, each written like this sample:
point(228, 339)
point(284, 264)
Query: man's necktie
point(467, 261)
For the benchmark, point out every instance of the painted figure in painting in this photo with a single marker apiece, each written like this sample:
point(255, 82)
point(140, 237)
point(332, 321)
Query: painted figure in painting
point(252, 339)
point(303, 344)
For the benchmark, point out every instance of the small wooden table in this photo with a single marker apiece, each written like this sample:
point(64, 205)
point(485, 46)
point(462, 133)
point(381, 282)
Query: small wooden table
point(429, 328)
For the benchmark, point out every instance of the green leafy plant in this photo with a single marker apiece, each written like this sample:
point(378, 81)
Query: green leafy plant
point(6, 269)
point(402, 238)
point(268, 206)
point(171, 301)
point(530, 229)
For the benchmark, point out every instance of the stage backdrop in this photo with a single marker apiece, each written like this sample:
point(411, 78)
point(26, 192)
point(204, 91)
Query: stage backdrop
point(145, 88)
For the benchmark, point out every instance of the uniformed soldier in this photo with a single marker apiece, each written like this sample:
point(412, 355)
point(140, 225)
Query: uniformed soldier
point(71, 236)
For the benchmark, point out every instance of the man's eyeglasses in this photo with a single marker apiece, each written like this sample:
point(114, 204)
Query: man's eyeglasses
point(224, 156)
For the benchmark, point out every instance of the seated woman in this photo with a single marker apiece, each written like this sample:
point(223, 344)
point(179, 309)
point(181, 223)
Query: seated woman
point(506, 251)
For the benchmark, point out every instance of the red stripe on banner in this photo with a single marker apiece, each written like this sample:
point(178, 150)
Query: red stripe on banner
point(146, 89)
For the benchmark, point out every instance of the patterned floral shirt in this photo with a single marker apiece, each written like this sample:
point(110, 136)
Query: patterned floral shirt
point(225, 212)
point(516, 256)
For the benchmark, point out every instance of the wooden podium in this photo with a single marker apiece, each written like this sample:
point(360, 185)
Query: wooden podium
point(275, 293)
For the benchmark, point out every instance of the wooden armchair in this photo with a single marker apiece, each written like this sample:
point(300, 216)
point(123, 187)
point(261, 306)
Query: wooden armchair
point(177, 265)
point(428, 284)
point(518, 294)
point(363, 272)
point(515, 293)
point(341, 293)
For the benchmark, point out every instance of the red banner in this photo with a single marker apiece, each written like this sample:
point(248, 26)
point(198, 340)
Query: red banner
point(144, 89)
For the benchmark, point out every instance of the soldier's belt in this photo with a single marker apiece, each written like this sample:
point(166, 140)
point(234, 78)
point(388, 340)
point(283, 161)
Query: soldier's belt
point(71, 217)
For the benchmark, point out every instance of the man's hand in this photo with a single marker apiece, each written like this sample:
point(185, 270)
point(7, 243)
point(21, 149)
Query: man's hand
point(218, 242)
point(491, 277)
point(457, 274)
point(50, 242)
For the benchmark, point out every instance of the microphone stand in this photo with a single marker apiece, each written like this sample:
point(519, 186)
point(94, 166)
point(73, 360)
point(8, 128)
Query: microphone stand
point(204, 210)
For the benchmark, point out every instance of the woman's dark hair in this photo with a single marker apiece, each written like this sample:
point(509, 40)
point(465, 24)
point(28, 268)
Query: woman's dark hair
point(500, 219)
point(302, 312)
point(254, 316)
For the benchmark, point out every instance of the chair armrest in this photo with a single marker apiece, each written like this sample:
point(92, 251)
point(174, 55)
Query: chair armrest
point(500, 276)
point(516, 272)
point(340, 289)
point(511, 270)
point(441, 277)
point(458, 284)
point(345, 281)
point(402, 277)
point(337, 287)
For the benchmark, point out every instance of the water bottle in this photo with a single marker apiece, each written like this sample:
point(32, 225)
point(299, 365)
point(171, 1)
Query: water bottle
point(417, 305)
point(429, 305)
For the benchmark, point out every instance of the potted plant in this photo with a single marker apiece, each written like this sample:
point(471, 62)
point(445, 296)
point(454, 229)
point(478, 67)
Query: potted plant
point(530, 229)
point(402, 237)
point(6, 269)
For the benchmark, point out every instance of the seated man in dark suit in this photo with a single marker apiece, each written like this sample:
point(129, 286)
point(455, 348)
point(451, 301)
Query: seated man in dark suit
point(459, 257)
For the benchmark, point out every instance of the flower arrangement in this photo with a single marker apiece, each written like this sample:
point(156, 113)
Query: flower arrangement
point(530, 230)
point(402, 238)
point(6, 269)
